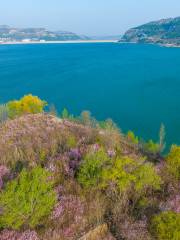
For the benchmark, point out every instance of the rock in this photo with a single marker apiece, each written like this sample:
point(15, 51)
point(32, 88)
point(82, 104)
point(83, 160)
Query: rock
point(99, 233)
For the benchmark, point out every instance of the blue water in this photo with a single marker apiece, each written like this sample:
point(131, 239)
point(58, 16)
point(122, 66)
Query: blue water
point(138, 86)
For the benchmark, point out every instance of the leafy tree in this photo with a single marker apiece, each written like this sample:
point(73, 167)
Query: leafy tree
point(27, 200)
point(166, 226)
point(27, 104)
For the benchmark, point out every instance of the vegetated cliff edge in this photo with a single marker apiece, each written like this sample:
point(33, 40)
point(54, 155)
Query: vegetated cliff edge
point(164, 31)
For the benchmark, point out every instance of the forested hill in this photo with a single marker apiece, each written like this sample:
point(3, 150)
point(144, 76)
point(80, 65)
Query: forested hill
point(165, 31)
point(8, 33)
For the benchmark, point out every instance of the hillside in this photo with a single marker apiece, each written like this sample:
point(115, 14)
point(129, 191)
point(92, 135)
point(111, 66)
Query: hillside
point(165, 31)
point(74, 178)
point(8, 33)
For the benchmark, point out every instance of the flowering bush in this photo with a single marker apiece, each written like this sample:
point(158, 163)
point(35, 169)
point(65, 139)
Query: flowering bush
point(69, 214)
point(74, 159)
point(3, 172)
point(134, 230)
point(172, 204)
point(13, 235)
point(27, 199)
point(27, 104)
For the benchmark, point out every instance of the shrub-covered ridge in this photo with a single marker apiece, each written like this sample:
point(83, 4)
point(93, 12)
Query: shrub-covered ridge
point(65, 177)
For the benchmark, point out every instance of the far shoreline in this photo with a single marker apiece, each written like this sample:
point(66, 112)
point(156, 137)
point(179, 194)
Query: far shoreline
point(57, 42)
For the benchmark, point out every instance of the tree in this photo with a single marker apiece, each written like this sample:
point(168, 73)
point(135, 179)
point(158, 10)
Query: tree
point(27, 104)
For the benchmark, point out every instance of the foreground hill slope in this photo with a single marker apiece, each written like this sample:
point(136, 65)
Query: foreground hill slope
point(74, 178)
point(165, 31)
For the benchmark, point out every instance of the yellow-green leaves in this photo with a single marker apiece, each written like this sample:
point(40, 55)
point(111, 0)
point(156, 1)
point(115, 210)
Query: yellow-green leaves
point(166, 226)
point(173, 162)
point(27, 200)
point(27, 104)
point(119, 174)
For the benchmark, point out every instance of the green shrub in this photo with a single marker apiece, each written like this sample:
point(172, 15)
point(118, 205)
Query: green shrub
point(27, 200)
point(108, 124)
point(127, 173)
point(71, 141)
point(27, 104)
point(146, 178)
point(152, 147)
point(119, 174)
point(173, 162)
point(166, 226)
point(65, 114)
point(90, 172)
point(131, 136)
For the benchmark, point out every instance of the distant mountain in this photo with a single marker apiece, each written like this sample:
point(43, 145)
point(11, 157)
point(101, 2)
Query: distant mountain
point(165, 31)
point(36, 34)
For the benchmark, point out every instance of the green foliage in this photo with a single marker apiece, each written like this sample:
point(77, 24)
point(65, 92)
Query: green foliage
point(173, 162)
point(120, 174)
point(27, 104)
point(87, 120)
point(152, 147)
point(65, 114)
point(90, 172)
point(108, 124)
point(126, 172)
point(131, 136)
point(71, 141)
point(27, 200)
point(166, 226)
point(4, 112)
point(156, 148)
point(146, 177)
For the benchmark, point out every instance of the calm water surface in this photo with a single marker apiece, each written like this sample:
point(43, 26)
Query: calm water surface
point(138, 86)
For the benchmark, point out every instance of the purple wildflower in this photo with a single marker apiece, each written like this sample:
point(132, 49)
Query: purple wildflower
point(75, 154)
point(13, 235)
point(95, 147)
point(111, 153)
point(3, 172)
point(75, 157)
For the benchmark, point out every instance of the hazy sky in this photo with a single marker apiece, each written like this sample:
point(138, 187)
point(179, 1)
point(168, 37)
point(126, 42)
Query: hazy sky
point(89, 17)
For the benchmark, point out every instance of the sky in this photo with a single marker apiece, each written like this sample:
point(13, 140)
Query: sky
point(87, 17)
